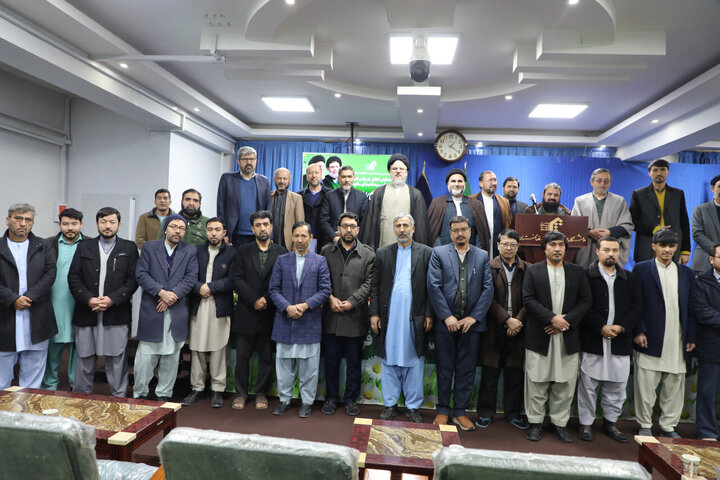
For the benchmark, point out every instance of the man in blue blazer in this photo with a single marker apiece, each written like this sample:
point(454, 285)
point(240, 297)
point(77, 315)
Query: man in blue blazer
point(460, 288)
point(240, 194)
point(299, 285)
point(167, 272)
point(667, 288)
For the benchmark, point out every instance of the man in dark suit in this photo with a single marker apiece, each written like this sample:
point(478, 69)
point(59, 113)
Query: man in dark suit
point(253, 317)
point(460, 289)
point(341, 200)
point(606, 339)
point(240, 194)
point(211, 306)
point(167, 272)
point(659, 206)
point(401, 315)
point(667, 289)
point(496, 210)
point(299, 286)
point(445, 207)
point(27, 321)
point(706, 228)
point(706, 307)
point(314, 197)
point(557, 297)
point(511, 186)
point(102, 280)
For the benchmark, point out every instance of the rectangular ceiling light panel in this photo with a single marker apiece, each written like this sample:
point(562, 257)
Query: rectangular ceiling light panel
point(557, 110)
point(288, 104)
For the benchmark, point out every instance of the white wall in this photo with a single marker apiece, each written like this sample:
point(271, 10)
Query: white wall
point(30, 171)
point(113, 156)
point(194, 166)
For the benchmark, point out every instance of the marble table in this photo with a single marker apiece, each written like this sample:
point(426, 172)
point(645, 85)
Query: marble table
point(664, 454)
point(401, 447)
point(121, 424)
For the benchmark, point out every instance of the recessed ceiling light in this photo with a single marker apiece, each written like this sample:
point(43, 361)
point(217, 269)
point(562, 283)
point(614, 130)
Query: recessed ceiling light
point(420, 110)
point(573, 2)
point(420, 134)
point(557, 110)
point(508, 97)
point(290, 2)
point(196, 109)
point(288, 104)
point(175, 108)
point(441, 49)
point(123, 65)
point(654, 120)
point(337, 95)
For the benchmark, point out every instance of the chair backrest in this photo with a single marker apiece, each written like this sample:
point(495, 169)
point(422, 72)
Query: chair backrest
point(189, 454)
point(456, 463)
point(36, 446)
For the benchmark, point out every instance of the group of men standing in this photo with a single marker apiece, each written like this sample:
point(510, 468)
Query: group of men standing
point(305, 264)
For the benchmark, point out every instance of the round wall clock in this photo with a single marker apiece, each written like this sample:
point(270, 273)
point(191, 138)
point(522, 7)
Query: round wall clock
point(451, 145)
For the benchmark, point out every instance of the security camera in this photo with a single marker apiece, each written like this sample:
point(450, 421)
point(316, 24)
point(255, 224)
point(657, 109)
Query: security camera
point(419, 61)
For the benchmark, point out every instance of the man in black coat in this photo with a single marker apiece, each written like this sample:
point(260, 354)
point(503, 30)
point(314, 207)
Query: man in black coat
point(252, 321)
point(556, 295)
point(606, 339)
point(102, 280)
point(400, 270)
point(659, 206)
point(211, 305)
point(314, 197)
point(341, 200)
point(706, 305)
point(27, 272)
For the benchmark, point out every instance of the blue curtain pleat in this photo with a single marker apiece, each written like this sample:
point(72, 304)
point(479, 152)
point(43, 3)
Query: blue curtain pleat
point(699, 158)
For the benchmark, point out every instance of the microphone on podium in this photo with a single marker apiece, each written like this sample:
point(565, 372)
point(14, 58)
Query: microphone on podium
point(534, 202)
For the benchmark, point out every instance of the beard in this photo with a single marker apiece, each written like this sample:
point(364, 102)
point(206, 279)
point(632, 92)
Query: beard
point(345, 188)
point(455, 192)
point(609, 262)
point(550, 205)
point(263, 237)
point(511, 195)
point(399, 182)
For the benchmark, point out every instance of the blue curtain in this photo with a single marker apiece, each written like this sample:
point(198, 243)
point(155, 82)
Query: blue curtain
point(699, 158)
point(275, 154)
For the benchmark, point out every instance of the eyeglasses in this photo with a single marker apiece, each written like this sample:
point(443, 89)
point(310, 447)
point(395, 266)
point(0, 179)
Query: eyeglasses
point(175, 227)
point(460, 230)
point(508, 245)
point(347, 227)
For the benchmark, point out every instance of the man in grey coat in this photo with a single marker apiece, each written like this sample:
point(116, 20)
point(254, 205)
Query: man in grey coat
point(167, 272)
point(345, 316)
point(706, 227)
point(608, 215)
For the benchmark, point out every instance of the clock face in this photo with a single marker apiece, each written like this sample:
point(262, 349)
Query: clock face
point(450, 145)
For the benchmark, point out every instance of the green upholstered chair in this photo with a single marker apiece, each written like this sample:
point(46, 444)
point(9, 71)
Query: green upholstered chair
point(42, 447)
point(457, 463)
point(190, 454)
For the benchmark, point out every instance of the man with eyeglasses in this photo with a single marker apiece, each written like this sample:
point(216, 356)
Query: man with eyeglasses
point(102, 280)
point(445, 207)
point(608, 215)
point(388, 201)
point(345, 314)
point(239, 195)
point(167, 272)
point(27, 321)
point(503, 345)
point(460, 289)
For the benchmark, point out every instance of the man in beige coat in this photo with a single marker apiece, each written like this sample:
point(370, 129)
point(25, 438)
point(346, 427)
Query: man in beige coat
point(287, 209)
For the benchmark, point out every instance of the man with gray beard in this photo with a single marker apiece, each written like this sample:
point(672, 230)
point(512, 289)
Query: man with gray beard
point(314, 196)
point(287, 209)
point(388, 201)
point(344, 199)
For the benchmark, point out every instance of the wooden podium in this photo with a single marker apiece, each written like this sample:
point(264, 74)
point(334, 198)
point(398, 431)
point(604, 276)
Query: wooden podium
point(532, 228)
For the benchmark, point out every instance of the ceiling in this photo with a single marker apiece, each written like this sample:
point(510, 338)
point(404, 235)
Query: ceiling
point(630, 61)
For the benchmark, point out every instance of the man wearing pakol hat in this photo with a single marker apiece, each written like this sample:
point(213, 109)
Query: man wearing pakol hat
point(390, 200)
point(167, 272)
point(445, 207)
point(659, 206)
